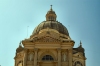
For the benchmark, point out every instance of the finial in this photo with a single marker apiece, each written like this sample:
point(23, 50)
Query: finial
point(80, 43)
point(20, 43)
point(51, 7)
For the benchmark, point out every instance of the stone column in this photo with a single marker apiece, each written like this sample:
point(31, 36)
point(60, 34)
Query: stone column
point(59, 57)
point(35, 57)
point(25, 58)
point(70, 56)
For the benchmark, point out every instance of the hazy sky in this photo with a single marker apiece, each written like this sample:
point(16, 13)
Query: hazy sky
point(81, 18)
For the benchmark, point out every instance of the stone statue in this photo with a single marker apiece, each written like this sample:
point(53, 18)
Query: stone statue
point(30, 57)
point(64, 57)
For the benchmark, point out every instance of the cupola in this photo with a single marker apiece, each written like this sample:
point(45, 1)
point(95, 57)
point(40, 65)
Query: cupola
point(51, 15)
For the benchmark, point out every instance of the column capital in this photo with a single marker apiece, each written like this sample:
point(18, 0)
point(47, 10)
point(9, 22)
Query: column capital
point(59, 49)
point(35, 49)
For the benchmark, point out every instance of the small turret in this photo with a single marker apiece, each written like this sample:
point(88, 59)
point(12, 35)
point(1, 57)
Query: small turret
point(20, 48)
point(80, 48)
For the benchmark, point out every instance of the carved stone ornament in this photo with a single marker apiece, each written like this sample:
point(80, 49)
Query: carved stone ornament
point(59, 49)
point(48, 32)
point(35, 49)
point(47, 39)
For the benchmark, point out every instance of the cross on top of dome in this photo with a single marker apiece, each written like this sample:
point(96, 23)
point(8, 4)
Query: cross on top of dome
point(51, 7)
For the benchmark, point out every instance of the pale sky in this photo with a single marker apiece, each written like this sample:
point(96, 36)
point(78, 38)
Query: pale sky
point(81, 18)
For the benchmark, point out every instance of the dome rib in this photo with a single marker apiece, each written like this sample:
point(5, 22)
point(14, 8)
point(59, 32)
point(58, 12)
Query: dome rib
point(52, 25)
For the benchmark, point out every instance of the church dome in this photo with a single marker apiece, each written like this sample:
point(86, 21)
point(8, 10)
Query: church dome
point(51, 23)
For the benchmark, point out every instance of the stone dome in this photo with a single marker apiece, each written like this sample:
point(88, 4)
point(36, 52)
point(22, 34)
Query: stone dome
point(51, 23)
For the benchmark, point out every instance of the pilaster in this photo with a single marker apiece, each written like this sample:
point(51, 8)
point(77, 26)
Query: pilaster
point(35, 57)
point(25, 58)
point(70, 56)
point(59, 57)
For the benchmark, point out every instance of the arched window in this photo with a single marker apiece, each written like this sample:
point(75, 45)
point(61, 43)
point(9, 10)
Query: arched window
point(78, 63)
point(20, 63)
point(47, 58)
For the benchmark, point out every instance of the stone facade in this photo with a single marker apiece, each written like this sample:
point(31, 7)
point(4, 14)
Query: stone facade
point(49, 47)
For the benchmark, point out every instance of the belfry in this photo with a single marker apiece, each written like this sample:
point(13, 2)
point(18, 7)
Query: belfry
point(49, 45)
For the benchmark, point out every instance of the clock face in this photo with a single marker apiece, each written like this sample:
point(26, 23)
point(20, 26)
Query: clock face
point(78, 63)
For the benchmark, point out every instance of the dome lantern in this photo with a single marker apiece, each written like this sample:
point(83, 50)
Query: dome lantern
point(80, 48)
point(51, 16)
